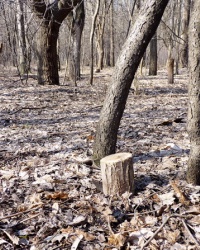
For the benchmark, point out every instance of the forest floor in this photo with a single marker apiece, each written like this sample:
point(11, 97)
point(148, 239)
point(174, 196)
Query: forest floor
point(50, 193)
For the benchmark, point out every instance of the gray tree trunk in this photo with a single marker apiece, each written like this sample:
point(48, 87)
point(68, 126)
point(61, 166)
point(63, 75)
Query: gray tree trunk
point(193, 172)
point(126, 66)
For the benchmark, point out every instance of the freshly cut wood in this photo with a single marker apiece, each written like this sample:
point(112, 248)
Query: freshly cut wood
point(117, 174)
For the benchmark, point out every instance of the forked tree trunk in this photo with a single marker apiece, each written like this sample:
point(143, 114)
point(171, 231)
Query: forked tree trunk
point(51, 16)
point(126, 66)
point(193, 172)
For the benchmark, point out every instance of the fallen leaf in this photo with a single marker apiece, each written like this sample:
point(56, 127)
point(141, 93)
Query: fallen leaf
point(57, 195)
point(117, 240)
point(55, 208)
point(167, 199)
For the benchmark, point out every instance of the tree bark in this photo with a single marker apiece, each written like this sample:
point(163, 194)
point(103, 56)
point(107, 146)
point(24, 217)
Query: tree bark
point(1, 47)
point(193, 172)
point(112, 39)
point(184, 36)
point(153, 56)
point(170, 65)
point(76, 21)
point(51, 15)
point(21, 38)
point(126, 66)
point(47, 54)
point(92, 41)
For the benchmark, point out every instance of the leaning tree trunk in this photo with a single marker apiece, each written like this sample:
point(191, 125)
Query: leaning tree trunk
point(51, 16)
point(193, 172)
point(126, 66)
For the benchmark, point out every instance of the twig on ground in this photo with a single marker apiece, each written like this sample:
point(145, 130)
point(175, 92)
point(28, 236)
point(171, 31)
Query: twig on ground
point(32, 217)
point(161, 227)
point(190, 234)
point(20, 213)
point(18, 110)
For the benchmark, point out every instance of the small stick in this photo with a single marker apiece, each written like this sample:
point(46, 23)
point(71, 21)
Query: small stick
point(19, 213)
point(32, 217)
point(109, 226)
point(192, 236)
point(161, 227)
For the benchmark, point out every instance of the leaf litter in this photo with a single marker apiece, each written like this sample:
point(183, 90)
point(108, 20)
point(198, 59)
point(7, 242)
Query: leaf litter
point(50, 191)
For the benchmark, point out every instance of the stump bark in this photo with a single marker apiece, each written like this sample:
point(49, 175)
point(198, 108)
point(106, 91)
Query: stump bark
point(117, 174)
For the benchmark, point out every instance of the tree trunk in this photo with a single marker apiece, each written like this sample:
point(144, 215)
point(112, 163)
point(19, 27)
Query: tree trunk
point(100, 52)
point(47, 54)
point(179, 3)
point(131, 17)
point(184, 36)
point(126, 66)
point(76, 21)
point(112, 43)
point(10, 38)
point(153, 56)
point(52, 16)
point(1, 47)
point(21, 38)
point(193, 172)
point(170, 64)
point(92, 41)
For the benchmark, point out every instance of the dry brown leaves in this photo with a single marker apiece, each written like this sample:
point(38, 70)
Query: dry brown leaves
point(48, 196)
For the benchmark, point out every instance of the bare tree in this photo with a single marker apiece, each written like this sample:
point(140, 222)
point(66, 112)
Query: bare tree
point(126, 66)
point(193, 172)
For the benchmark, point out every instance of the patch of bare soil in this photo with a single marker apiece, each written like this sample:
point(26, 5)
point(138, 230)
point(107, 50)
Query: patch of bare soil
point(50, 193)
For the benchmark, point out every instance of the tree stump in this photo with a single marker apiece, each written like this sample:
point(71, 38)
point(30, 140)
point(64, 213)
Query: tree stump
point(117, 174)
